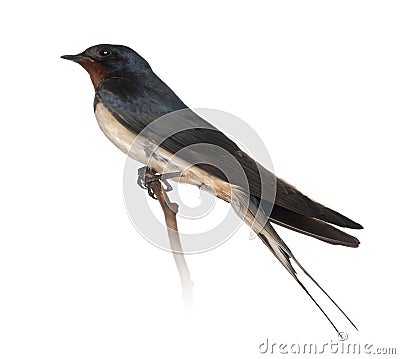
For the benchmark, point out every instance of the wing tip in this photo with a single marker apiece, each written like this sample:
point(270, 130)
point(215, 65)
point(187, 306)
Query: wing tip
point(353, 225)
point(358, 226)
point(340, 220)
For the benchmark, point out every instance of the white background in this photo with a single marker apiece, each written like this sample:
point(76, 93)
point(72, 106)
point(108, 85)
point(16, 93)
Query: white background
point(319, 81)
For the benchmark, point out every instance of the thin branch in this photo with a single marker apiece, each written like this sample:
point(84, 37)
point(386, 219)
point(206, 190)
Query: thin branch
point(170, 210)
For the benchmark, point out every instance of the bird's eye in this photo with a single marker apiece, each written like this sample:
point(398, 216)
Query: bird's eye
point(104, 52)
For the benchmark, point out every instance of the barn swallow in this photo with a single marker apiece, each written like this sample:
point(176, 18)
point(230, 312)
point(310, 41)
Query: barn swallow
point(129, 97)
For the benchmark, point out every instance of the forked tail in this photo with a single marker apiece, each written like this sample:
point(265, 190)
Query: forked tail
point(248, 208)
point(272, 241)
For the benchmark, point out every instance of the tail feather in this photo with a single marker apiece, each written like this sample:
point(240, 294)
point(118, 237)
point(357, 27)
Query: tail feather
point(248, 208)
point(270, 238)
point(324, 291)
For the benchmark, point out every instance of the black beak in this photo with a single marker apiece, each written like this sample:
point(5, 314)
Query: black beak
point(75, 58)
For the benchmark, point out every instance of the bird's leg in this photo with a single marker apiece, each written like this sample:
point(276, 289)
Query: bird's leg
point(147, 175)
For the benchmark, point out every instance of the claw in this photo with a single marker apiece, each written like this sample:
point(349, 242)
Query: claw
point(147, 175)
point(141, 177)
point(166, 176)
point(151, 193)
point(168, 187)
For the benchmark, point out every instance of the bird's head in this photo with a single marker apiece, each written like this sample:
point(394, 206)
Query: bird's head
point(102, 60)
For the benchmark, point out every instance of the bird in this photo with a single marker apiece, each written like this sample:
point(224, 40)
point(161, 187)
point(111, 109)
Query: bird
point(130, 101)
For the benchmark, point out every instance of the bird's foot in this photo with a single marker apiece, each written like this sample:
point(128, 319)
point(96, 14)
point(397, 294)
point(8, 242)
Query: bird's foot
point(147, 175)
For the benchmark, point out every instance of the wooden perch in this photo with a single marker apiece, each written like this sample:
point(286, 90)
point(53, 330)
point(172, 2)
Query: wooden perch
point(170, 210)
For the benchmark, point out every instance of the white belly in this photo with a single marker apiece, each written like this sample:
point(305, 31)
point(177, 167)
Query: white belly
point(162, 161)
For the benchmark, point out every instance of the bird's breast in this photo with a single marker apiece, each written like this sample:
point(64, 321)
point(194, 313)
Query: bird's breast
point(119, 135)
